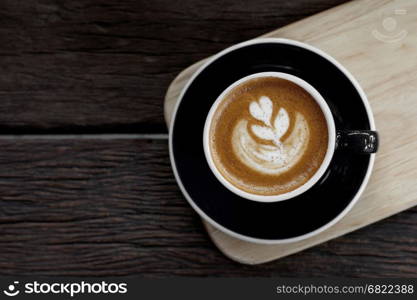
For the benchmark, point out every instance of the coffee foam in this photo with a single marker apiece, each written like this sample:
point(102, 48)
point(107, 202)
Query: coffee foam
point(268, 136)
point(272, 159)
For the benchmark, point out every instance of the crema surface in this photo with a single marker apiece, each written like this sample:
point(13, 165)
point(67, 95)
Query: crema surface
point(268, 136)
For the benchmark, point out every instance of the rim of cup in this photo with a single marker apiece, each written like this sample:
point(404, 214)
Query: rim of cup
point(331, 130)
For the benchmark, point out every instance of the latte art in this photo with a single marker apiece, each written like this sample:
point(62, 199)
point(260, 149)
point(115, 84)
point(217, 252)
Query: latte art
point(281, 155)
point(268, 136)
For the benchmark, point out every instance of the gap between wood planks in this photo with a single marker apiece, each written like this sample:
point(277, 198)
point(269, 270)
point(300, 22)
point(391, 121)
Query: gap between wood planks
point(103, 136)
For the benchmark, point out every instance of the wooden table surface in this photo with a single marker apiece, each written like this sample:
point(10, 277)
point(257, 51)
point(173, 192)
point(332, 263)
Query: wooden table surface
point(86, 186)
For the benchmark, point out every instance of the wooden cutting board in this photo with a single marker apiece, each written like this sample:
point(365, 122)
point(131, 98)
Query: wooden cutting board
point(376, 40)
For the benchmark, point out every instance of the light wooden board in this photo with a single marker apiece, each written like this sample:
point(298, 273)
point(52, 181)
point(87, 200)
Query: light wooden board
point(387, 71)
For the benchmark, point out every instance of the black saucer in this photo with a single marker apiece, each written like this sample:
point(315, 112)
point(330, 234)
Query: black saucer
point(268, 222)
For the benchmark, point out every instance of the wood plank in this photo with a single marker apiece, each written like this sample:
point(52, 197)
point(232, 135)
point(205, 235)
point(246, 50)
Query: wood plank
point(103, 65)
point(112, 207)
point(387, 71)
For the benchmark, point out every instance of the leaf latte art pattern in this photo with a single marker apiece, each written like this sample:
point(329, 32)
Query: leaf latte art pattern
point(273, 155)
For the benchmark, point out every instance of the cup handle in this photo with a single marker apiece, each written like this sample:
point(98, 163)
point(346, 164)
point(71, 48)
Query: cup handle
point(357, 141)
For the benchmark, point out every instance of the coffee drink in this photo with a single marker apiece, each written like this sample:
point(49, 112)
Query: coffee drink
point(268, 136)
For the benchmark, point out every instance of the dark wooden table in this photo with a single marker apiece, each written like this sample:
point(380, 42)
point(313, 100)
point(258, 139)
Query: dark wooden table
point(106, 203)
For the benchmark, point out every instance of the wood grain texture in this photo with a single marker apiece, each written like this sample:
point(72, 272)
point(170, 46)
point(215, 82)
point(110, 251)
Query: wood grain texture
point(112, 207)
point(103, 65)
point(387, 70)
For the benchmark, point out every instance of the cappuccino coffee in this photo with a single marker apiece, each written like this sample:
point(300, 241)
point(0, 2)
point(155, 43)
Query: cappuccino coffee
point(268, 136)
